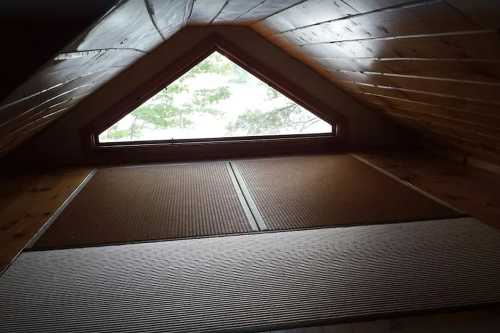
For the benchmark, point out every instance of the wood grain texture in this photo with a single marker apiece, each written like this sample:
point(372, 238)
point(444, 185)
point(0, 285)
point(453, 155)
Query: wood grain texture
point(205, 11)
point(265, 9)
point(484, 12)
point(472, 190)
point(112, 44)
point(26, 204)
point(235, 9)
point(449, 69)
point(395, 55)
point(432, 66)
point(169, 16)
point(128, 26)
point(421, 19)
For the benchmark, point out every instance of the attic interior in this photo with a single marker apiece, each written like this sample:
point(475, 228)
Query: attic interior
point(253, 166)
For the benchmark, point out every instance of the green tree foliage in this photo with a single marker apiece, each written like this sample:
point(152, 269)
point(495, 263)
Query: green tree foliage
point(288, 118)
point(163, 110)
point(178, 104)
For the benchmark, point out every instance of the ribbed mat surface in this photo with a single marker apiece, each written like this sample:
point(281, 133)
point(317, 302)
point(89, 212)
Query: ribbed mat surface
point(327, 190)
point(256, 281)
point(150, 202)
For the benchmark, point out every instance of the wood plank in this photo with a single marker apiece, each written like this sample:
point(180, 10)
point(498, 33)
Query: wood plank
point(307, 13)
point(26, 204)
point(454, 69)
point(486, 122)
point(460, 146)
point(438, 133)
point(42, 109)
point(421, 19)
point(169, 16)
point(32, 117)
point(363, 6)
point(487, 93)
point(484, 12)
point(113, 43)
point(467, 128)
point(21, 134)
point(235, 9)
point(426, 101)
point(128, 26)
point(474, 191)
point(205, 11)
point(467, 46)
point(266, 9)
point(433, 67)
point(66, 68)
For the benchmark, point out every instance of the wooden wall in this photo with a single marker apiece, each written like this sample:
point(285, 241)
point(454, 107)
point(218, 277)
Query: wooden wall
point(126, 33)
point(433, 66)
point(365, 127)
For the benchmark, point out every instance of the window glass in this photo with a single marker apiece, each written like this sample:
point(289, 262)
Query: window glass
point(215, 99)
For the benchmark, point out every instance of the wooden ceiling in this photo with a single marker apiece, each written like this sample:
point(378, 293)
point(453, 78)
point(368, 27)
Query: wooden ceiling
point(431, 65)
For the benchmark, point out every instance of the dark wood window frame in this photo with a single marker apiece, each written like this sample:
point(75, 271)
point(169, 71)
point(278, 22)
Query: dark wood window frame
point(211, 147)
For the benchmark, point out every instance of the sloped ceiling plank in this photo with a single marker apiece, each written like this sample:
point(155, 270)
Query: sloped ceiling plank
point(118, 39)
point(422, 100)
point(477, 122)
point(468, 46)
point(34, 119)
point(67, 67)
point(455, 69)
point(364, 6)
point(453, 135)
point(236, 8)
point(205, 11)
point(486, 120)
point(128, 26)
point(425, 62)
point(484, 12)
point(266, 9)
point(169, 16)
point(478, 92)
point(422, 19)
point(306, 13)
point(37, 107)
point(482, 123)
point(27, 106)
point(481, 151)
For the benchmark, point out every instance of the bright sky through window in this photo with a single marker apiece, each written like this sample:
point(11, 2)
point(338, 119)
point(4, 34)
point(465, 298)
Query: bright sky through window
point(215, 99)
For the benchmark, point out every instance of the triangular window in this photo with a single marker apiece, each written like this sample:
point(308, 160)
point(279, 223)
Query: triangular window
point(213, 100)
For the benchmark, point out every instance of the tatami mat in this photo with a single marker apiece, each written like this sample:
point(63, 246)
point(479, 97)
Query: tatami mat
point(329, 190)
point(254, 282)
point(128, 204)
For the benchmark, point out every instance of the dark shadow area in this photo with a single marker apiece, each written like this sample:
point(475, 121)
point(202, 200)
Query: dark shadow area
point(33, 31)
